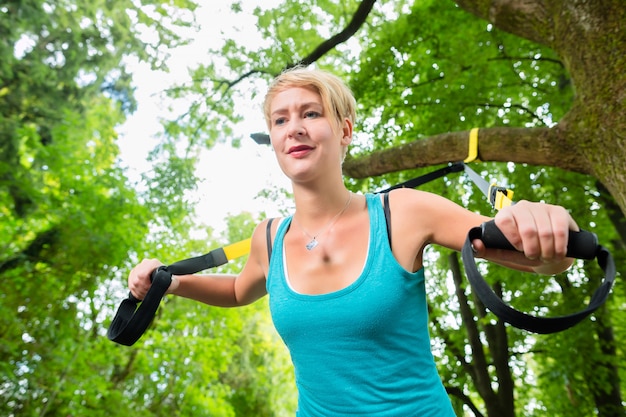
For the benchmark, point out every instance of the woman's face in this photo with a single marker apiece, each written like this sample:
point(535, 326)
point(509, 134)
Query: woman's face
point(304, 136)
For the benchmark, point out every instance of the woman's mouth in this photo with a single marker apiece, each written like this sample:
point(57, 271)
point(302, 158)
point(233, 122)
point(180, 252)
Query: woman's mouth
point(299, 151)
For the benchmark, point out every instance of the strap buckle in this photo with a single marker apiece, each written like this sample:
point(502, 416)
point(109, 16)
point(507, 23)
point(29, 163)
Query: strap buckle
point(500, 197)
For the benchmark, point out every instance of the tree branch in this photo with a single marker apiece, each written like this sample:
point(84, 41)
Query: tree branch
point(456, 392)
point(529, 19)
point(537, 146)
point(359, 17)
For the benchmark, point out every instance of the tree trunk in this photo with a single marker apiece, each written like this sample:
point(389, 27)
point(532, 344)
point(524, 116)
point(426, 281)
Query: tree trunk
point(608, 397)
point(500, 402)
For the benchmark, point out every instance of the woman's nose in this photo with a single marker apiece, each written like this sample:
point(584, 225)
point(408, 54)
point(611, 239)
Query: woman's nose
point(296, 128)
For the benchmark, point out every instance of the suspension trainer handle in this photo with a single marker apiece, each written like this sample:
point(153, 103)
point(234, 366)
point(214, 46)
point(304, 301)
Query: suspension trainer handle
point(131, 322)
point(581, 245)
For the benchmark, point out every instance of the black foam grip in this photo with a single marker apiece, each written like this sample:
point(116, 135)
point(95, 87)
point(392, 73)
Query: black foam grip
point(581, 245)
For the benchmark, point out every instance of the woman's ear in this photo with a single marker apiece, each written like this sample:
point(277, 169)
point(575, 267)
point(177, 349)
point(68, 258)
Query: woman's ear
point(346, 132)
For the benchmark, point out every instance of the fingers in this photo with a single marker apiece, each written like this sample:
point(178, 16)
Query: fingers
point(139, 277)
point(539, 230)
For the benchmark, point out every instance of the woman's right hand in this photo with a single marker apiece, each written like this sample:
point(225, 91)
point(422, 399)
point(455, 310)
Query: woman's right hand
point(139, 278)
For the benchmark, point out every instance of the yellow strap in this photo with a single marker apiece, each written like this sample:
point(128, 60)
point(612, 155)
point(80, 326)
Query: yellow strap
point(473, 146)
point(235, 250)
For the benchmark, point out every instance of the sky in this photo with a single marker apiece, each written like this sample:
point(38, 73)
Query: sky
point(230, 178)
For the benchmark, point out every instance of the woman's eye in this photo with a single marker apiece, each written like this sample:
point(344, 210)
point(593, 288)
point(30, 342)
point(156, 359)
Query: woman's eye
point(311, 114)
point(279, 121)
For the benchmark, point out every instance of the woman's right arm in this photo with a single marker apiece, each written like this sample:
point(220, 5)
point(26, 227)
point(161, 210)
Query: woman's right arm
point(213, 289)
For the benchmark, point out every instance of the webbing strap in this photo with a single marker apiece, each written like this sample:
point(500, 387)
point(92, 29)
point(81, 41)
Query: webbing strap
point(582, 245)
point(130, 322)
point(498, 196)
point(426, 178)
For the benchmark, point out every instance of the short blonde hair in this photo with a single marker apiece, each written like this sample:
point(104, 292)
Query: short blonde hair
point(337, 98)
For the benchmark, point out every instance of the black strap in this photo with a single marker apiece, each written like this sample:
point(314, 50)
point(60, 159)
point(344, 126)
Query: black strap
point(130, 322)
point(387, 212)
point(583, 245)
point(423, 179)
point(268, 238)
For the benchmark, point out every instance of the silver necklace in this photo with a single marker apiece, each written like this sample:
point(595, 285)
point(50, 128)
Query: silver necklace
point(314, 242)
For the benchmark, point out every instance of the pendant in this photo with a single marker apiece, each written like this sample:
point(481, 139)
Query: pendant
point(312, 244)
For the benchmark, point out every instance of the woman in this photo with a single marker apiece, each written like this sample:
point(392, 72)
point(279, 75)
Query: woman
point(346, 290)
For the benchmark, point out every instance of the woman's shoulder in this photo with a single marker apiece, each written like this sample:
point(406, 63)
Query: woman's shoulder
point(265, 233)
point(423, 212)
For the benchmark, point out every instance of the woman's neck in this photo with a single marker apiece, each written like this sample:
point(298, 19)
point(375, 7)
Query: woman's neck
point(318, 205)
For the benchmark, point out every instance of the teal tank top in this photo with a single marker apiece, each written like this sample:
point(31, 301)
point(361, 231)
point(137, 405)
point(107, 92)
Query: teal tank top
point(363, 350)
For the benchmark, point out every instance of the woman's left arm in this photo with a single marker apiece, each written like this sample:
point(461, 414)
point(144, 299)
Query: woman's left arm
point(538, 231)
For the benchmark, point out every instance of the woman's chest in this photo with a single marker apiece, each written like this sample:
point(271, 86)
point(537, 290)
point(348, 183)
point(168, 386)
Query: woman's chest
point(336, 261)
